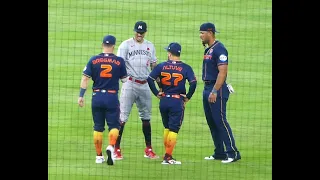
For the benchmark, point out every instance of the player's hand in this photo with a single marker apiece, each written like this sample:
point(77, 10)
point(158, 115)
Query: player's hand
point(81, 101)
point(212, 98)
point(185, 99)
point(184, 104)
point(159, 95)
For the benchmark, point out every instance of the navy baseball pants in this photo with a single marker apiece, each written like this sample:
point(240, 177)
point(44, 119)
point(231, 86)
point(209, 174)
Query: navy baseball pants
point(105, 108)
point(216, 119)
point(172, 112)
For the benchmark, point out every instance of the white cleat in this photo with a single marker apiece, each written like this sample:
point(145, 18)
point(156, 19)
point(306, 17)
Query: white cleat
point(209, 158)
point(230, 160)
point(171, 161)
point(110, 154)
point(100, 159)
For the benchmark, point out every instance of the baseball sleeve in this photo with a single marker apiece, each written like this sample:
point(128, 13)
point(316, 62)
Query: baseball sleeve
point(87, 70)
point(154, 56)
point(192, 82)
point(123, 50)
point(222, 55)
point(123, 70)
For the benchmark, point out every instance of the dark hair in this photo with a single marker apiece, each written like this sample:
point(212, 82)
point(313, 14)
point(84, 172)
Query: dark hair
point(107, 45)
point(175, 54)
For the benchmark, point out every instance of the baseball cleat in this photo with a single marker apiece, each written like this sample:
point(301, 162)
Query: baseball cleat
point(171, 161)
point(100, 159)
point(213, 158)
point(230, 160)
point(110, 154)
point(117, 154)
point(148, 153)
point(209, 158)
point(168, 159)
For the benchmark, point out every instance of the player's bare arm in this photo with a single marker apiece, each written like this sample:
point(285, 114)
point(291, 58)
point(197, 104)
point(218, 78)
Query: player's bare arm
point(153, 65)
point(83, 88)
point(222, 75)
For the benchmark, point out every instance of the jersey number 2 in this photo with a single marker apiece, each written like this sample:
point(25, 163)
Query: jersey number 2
point(167, 77)
point(106, 71)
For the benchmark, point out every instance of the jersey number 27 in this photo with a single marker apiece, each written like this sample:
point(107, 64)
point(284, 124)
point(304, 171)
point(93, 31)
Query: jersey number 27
point(167, 77)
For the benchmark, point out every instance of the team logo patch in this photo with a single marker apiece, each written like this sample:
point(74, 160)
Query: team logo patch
point(85, 68)
point(207, 57)
point(223, 57)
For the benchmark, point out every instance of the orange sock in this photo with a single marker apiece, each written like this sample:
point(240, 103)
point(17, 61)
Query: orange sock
point(165, 136)
point(171, 142)
point(113, 136)
point(97, 140)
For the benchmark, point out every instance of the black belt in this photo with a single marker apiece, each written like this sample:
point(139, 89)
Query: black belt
point(209, 82)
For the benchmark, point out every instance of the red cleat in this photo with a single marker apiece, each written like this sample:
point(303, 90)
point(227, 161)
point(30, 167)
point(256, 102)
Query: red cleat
point(117, 154)
point(148, 153)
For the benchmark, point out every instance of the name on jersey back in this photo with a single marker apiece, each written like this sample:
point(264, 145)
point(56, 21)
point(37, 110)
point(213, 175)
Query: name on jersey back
point(106, 60)
point(168, 67)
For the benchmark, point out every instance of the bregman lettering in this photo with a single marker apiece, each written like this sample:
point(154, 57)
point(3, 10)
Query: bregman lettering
point(106, 60)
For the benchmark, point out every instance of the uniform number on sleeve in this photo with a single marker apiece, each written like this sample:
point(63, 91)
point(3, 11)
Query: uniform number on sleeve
point(106, 69)
point(166, 80)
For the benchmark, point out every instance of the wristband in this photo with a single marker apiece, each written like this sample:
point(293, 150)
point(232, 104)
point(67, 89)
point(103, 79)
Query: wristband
point(214, 91)
point(82, 91)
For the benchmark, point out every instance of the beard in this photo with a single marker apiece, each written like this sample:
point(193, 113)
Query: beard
point(204, 44)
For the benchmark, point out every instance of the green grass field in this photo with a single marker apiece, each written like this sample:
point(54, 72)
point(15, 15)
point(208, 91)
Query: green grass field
point(75, 31)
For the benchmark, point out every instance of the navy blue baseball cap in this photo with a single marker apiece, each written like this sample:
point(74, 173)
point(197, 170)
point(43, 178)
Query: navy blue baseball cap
point(174, 48)
point(140, 26)
point(109, 39)
point(208, 27)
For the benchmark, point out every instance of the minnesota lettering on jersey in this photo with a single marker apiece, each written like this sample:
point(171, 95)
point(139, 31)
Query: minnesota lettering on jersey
point(139, 52)
point(106, 60)
point(168, 67)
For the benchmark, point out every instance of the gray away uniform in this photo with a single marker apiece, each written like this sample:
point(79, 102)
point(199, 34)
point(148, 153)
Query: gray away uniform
point(138, 57)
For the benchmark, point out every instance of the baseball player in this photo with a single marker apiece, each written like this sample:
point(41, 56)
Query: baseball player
point(173, 75)
point(139, 55)
point(105, 69)
point(216, 94)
